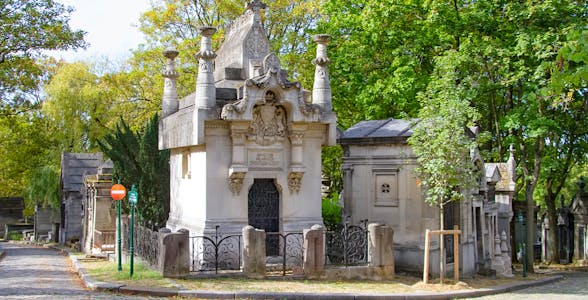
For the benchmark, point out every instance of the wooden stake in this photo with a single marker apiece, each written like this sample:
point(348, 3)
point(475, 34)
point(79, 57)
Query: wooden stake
point(456, 253)
point(426, 266)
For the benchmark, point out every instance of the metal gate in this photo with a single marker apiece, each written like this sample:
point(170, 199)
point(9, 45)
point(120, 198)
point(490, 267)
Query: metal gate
point(450, 215)
point(264, 211)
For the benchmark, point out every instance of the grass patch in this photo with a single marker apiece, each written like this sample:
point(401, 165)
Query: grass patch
point(107, 271)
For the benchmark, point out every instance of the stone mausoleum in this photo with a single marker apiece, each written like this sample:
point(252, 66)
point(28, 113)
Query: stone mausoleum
point(246, 145)
point(379, 184)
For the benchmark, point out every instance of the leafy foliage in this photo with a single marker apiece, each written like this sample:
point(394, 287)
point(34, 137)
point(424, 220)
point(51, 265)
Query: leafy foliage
point(137, 160)
point(43, 188)
point(27, 28)
point(440, 141)
point(331, 212)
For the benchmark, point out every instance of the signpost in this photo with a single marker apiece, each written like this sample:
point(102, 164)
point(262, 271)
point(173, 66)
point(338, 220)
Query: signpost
point(133, 198)
point(118, 192)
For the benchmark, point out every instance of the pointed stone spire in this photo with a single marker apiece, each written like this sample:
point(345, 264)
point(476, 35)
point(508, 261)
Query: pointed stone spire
point(169, 101)
point(511, 163)
point(205, 89)
point(321, 90)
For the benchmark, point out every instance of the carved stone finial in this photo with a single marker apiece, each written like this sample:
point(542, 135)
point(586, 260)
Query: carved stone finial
point(255, 5)
point(170, 103)
point(497, 250)
point(321, 91)
point(206, 43)
point(205, 89)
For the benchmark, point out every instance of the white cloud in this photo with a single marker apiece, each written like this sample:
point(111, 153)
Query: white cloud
point(111, 26)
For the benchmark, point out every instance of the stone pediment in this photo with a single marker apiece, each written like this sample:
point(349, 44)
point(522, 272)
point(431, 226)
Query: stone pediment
point(272, 83)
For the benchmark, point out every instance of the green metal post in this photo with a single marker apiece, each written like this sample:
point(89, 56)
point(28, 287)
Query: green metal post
point(523, 244)
point(118, 239)
point(131, 240)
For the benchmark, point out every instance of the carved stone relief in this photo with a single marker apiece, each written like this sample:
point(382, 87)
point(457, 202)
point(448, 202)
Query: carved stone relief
point(235, 182)
point(269, 122)
point(256, 45)
point(295, 181)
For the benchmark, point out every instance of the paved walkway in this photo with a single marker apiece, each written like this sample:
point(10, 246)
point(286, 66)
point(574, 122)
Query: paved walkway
point(573, 286)
point(29, 272)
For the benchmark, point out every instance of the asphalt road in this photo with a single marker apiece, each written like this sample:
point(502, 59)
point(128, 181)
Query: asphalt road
point(573, 286)
point(29, 272)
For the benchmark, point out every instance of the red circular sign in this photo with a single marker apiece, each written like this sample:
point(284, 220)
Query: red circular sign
point(118, 192)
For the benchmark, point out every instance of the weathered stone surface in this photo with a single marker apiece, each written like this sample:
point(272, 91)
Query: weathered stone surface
point(253, 252)
point(314, 251)
point(381, 249)
point(249, 123)
point(174, 253)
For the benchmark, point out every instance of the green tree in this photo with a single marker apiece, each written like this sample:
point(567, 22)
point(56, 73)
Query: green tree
point(137, 160)
point(440, 142)
point(77, 106)
point(28, 28)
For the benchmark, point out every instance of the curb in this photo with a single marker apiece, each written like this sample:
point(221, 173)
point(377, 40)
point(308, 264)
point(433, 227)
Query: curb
point(94, 285)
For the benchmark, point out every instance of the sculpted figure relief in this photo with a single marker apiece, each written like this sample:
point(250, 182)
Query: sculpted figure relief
point(269, 122)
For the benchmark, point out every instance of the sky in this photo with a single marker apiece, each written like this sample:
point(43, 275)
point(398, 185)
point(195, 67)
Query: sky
point(111, 28)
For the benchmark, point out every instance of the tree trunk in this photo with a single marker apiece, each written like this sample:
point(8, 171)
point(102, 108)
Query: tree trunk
point(553, 237)
point(530, 187)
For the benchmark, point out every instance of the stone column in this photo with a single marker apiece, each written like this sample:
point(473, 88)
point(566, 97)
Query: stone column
point(314, 251)
point(253, 252)
point(205, 89)
point(321, 90)
point(170, 102)
point(381, 249)
point(174, 253)
point(505, 255)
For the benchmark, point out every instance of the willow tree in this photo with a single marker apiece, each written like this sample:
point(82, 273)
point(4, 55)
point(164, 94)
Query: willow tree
point(441, 139)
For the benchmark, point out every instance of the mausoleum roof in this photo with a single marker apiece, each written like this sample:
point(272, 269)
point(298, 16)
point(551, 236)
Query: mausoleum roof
point(74, 166)
point(379, 131)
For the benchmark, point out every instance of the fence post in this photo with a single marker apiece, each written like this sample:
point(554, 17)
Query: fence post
point(314, 255)
point(174, 253)
point(455, 253)
point(253, 252)
point(381, 249)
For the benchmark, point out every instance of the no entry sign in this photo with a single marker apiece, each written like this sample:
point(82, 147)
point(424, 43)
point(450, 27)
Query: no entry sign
point(118, 192)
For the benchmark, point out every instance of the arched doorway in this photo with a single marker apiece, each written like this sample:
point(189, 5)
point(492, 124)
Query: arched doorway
point(264, 211)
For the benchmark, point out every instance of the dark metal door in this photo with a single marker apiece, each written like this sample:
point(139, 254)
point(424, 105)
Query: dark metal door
point(448, 222)
point(264, 211)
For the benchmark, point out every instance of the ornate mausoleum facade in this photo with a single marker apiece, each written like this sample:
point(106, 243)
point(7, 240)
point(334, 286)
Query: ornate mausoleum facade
point(246, 145)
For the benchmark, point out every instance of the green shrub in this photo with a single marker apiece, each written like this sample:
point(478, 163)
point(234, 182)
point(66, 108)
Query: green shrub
point(331, 212)
point(14, 236)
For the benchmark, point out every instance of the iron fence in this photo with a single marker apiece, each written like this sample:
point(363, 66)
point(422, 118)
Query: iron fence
point(222, 251)
point(347, 246)
point(145, 242)
point(290, 251)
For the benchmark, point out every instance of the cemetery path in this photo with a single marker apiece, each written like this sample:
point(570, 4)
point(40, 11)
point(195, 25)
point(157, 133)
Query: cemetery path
point(30, 272)
point(573, 286)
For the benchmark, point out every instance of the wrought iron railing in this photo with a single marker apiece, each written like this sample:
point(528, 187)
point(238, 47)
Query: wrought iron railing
point(145, 243)
point(221, 251)
point(348, 246)
point(290, 252)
